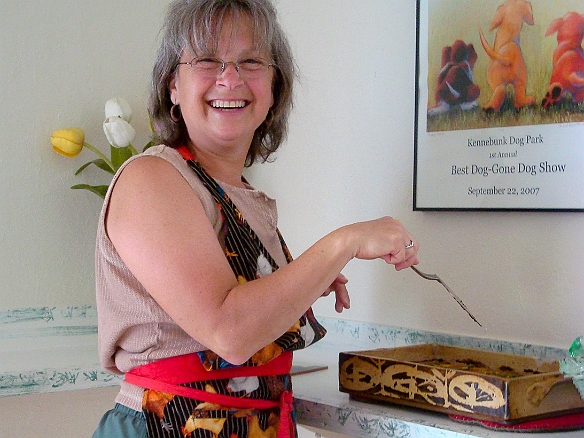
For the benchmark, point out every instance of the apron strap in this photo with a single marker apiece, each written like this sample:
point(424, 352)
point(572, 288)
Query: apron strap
point(166, 375)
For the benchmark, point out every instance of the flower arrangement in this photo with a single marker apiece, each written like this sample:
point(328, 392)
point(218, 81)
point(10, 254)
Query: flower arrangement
point(70, 142)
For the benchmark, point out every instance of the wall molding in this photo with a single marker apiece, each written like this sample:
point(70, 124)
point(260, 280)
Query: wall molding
point(47, 349)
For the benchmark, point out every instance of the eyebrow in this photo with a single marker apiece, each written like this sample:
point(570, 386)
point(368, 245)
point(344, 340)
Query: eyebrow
point(248, 53)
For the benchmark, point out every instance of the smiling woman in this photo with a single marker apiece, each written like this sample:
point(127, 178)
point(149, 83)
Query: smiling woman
point(205, 87)
point(205, 25)
point(194, 281)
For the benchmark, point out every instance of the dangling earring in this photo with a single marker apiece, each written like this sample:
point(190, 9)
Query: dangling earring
point(175, 114)
point(269, 118)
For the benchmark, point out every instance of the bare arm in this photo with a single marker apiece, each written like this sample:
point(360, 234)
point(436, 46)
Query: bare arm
point(160, 230)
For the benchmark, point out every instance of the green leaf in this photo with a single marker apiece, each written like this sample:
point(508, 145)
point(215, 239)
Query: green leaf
point(82, 168)
point(120, 155)
point(99, 163)
point(98, 190)
point(103, 166)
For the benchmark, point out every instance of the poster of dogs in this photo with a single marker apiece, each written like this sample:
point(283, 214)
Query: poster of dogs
point(499, 105)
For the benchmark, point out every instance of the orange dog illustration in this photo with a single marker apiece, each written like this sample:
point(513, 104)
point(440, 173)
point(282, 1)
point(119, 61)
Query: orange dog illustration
point(568, 60)
point(507, 66)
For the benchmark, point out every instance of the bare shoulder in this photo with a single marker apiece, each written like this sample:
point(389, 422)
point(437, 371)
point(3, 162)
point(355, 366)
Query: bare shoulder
point(147, 173)
point(150, 197)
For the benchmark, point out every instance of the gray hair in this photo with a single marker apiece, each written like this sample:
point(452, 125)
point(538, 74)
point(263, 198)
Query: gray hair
point(196, 25)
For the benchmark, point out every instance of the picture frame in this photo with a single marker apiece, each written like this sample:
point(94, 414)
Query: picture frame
point(498, 125)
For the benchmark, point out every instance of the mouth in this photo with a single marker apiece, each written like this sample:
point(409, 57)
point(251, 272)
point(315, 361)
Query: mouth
point(228, 104)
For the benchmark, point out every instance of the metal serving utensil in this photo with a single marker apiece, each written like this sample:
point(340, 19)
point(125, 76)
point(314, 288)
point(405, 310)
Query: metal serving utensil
point(452, 294)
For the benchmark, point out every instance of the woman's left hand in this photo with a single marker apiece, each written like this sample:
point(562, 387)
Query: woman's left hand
point(342, 299)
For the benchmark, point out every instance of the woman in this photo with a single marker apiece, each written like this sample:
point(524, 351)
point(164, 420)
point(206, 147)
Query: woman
point(186, 308)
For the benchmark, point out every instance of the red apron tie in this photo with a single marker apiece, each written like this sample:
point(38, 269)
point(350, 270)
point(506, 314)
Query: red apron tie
point(167, 375)
point(286, 426)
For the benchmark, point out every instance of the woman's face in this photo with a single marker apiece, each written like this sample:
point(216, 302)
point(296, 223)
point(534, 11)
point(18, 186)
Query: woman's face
point(225, 110)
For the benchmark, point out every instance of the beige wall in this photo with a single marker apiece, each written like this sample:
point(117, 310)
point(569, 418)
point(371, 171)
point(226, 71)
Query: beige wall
point(61, 60)
point(349, 157)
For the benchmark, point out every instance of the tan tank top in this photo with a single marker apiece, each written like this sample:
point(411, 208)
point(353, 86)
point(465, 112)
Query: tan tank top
point(132, 328)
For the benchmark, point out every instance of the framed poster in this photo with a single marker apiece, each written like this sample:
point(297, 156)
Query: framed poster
point(499, 105)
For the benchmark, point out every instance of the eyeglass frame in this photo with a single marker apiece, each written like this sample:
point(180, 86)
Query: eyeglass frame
point(225, 63)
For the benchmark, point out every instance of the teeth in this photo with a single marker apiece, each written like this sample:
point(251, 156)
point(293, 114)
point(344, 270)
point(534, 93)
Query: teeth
point(228, 103)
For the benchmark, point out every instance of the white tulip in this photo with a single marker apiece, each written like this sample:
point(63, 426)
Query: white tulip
point(118, 107)
point(118, 132)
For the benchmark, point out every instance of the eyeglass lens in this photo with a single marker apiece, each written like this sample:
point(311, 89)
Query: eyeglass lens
point(247, 67)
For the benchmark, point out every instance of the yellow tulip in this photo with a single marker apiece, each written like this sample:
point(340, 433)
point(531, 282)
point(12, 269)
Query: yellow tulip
point(68, 142)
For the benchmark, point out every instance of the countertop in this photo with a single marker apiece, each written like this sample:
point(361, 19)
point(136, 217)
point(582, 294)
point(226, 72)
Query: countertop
point(320, 404)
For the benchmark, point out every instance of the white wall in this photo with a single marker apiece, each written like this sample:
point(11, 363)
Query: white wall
point(349, 157)
point(61, 60)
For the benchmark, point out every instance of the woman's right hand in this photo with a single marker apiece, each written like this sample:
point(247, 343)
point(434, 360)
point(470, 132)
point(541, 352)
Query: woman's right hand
point(385, 238)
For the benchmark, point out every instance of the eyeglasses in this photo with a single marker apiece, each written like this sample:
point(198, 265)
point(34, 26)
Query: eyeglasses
point(248, 68)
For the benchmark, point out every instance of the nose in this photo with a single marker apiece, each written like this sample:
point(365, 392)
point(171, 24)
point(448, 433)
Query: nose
point(227, 63)
point(230, 75)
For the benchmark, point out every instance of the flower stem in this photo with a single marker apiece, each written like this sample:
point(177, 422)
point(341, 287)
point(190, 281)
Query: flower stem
point(102, 156)
point(133, 150)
